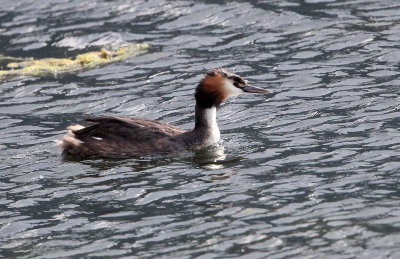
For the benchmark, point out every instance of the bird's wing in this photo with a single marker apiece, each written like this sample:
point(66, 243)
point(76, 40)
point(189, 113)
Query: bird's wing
point(134, 127)
point(124, 137)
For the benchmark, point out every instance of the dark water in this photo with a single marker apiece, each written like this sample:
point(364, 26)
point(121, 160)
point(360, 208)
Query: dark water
point(312, 172)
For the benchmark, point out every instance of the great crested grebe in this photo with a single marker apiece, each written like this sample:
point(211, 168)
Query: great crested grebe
point(123, 137)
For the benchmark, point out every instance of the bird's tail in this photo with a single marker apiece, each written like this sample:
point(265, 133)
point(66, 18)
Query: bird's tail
point(69, 141)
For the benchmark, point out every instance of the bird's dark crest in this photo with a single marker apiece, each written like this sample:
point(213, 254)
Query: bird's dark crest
point(208, 92)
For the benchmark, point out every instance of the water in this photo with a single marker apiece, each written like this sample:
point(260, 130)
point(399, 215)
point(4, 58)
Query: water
point(310, 172)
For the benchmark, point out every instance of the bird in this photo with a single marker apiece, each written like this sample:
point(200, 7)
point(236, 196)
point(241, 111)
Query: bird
point(118, 137)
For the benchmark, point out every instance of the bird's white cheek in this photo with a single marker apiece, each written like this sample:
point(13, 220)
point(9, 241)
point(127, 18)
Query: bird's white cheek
point(231, 90)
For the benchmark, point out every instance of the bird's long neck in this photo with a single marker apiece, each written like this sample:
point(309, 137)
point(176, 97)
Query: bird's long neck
point(206, 123)
point(205, 118)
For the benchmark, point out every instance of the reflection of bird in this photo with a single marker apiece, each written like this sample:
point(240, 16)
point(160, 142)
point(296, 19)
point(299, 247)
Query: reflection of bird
point(122, 137)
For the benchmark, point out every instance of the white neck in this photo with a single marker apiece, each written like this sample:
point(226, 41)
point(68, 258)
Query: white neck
point(206, 123)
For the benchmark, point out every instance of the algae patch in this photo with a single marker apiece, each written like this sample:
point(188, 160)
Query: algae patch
point(55, 66)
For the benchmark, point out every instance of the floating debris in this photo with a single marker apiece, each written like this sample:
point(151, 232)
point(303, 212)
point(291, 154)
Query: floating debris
point(56, 66)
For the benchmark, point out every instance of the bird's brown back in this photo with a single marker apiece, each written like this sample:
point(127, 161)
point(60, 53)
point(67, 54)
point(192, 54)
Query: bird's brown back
point(122, 137)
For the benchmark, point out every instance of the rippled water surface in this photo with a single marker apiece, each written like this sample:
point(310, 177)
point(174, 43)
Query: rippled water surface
point(311, 172)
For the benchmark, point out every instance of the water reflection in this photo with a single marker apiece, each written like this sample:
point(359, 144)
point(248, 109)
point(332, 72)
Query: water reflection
point(211, 158)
